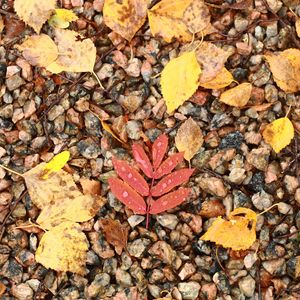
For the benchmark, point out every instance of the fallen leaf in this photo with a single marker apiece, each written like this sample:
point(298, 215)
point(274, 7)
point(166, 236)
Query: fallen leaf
point(13, 27)
point(297, 25)
point(180, 80)
point(62, 18)
point(189, 138)
point(125, 17)
point(56, 163)
point(159, 149)
point(64, 248)
point(115, 234)
point(39, 50)
point(237, 96)
point(107, 128)
point(279, 133)
point(238, 233)
point(74, 55)
point(90, 187)
point(142, 159)
point(223, 79)
point(168, 165)
point(34, 12)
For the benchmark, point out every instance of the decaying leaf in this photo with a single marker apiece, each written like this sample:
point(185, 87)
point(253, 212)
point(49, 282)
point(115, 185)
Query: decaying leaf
point(39, 50)
point(237, 96)
point(74, 55)
point(64, 248)
point(238, 233)
point(115, 233)
point(279, 133)
point(125, 17)
point(34, 12)
point(62, 18)
point(189, 138)
point(180, 80)
point(223, 79)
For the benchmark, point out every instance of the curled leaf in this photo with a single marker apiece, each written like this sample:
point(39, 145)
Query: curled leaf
point(223, 79)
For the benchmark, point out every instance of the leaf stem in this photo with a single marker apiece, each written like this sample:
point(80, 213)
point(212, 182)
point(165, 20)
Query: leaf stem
point(269, 208)
point(98, 80)
point(12, 171)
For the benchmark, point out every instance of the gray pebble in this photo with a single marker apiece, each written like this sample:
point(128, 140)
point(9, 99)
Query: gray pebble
point(14, 82)
point(88, 148)
point(189, 290)
point(167, 220)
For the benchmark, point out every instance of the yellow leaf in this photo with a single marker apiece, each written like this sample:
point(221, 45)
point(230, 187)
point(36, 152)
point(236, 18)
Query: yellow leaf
point(62, 18)
point(74, 55)
point(39, 50)
point(237, 96)
point(238, 233)
point(56, 163)
point(189, 138)
point(125, 17)
point(223, 79)
point(279, 133)
point(64, 248)
point(34, 12)
point(108, 129)
point(179, 80)
point(297, 25)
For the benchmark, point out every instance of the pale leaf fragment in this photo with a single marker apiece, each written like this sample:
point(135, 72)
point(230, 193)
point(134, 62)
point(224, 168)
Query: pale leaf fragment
point(189, 138)
point(237, 96)
point(179, 80)
point(223, 79)
point(34, 12)
point(63, 248)
point(297, 25)
point(62, 18)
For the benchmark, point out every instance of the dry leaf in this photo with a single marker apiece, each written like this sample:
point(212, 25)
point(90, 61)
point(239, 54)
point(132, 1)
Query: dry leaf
point(212, 60)
point(238, 233)
point(56, 163)
point(223, 79)
point(63, 248)
point(237, 96)
point(74, 55)
point(115, 234)
point(39, 50)
point(125, 17)
point(179, 80)
point(62, 18)
point(107, 128)
point(34, 12)
point(279, 133)
point(189, 138)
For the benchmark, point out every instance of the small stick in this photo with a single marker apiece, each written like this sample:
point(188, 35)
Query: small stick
point(12, 171)
point(269, 208)
point(98, 80)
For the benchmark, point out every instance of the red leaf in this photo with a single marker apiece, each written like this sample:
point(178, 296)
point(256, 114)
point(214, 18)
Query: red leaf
point(159, 150)
point(168, 165)
point(142, 159)
point(169, 201)
point(127, 195)
point(169, 182)
point(131, 176)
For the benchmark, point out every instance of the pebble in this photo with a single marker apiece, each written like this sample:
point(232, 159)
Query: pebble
point(186, 271)
point(259, 158)
point(271, 93)
point(189, 290)
point(209, 291)
point(135, 220)
point(275, 266)
point(212, 185)
point(98, 286)
point(249, 260)
point(88, 148)
point(134, 129)
point(106, 71)
point(163, 251)
point(262, 200)
point(167, 220)
point(212, 208)
point(138, 247)
point(123, 278)
point(285, 208)
point(232, 140)
point(54, 112)
point(237, 175)
point(247, 286)
point(261, 77)
point(131, 102)
point(134, 67)
point(22, 291)
point(291, 183)
point(14, 82)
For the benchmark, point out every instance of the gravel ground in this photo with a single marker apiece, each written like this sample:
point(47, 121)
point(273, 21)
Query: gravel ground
point(42, 114)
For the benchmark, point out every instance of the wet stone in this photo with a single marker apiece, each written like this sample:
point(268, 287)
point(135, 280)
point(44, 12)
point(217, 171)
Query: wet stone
point(257, 182)
point(98, 286)
point(88, 148)
point(12, 270)
point(167, 220)
point(123, 278)
point(137, 247)
point(189, 290)
point(92, 124)
point(14, 82)
point(232, 140)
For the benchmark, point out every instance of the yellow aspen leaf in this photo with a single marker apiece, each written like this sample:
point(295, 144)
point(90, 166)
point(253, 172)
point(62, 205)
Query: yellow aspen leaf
point(237, 96)
point(189, 138)
point(125, 17)
point(39, 50)
point(279, 133)
point(34, 12)
point(223, 79)
point(180, 80)
point(56, 163)
point(62, 18)
point(237, 233)
point(73, 55)
point(107, 128)
point(64, 248)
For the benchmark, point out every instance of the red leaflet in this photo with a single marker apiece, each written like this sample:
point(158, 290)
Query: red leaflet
point(127, 195)
point(142, 159)
point(159, 150)
point(169, 182)
point(168, 165)
point(169, 201)
point(131, 176)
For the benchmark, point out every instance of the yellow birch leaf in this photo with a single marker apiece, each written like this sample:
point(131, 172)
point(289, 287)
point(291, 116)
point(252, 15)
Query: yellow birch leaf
point(125, 17)
point(107, 128)
point(237, 96)
point(34, 12)
point(189, 138)
point(279, 133)
point(223, 79)
point(56, 163)
point(237, 233)
point(62, 18)
point(180, 80)
point(74, 55)
point(64, 248)
point(39, 50)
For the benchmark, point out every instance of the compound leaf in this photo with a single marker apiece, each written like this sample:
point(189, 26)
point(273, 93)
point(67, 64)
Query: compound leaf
point(159, 150)
point(142, 159)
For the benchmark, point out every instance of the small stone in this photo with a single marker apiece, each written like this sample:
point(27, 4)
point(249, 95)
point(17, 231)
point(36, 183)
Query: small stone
point(27, 73)
point(134, 67)
point(257, 182)
point(271, 93)
point(131, 102)
point(167, 220)
point(189, 290)
point(291, 183)
point(123, 278)
point(232, 140)
point(119, 58)
point(22, 291)
point(134, 129)
point(247, 286)
point(12, 270)
point(240, 24)
point(135, 220)
point(77, 3)
point(212, 208)
point(98, 286)
point(88, 148)
point(259, 158)
point(187, 271)
point(29, 108)
point(253, 138)
point(98, 5)
point(17, 115)
point(14, 82)
point(6, 111)
point(137, 247)
point(106, 71)
point(209, 291)
point(285, 208)
point(262, 200)
point(261, 77)
point(275, 266)
point(146, 71)
point(237, 175)
point(243, 48)
point(54, 112)
point(297, 195)
point(38, 143)
point(212, 185)
point(163, 251)
point(249, 260)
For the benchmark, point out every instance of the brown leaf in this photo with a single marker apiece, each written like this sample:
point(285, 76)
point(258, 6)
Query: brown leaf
point(115, 233)
point(90, 187)
point(2, 289)
point(13, 27)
